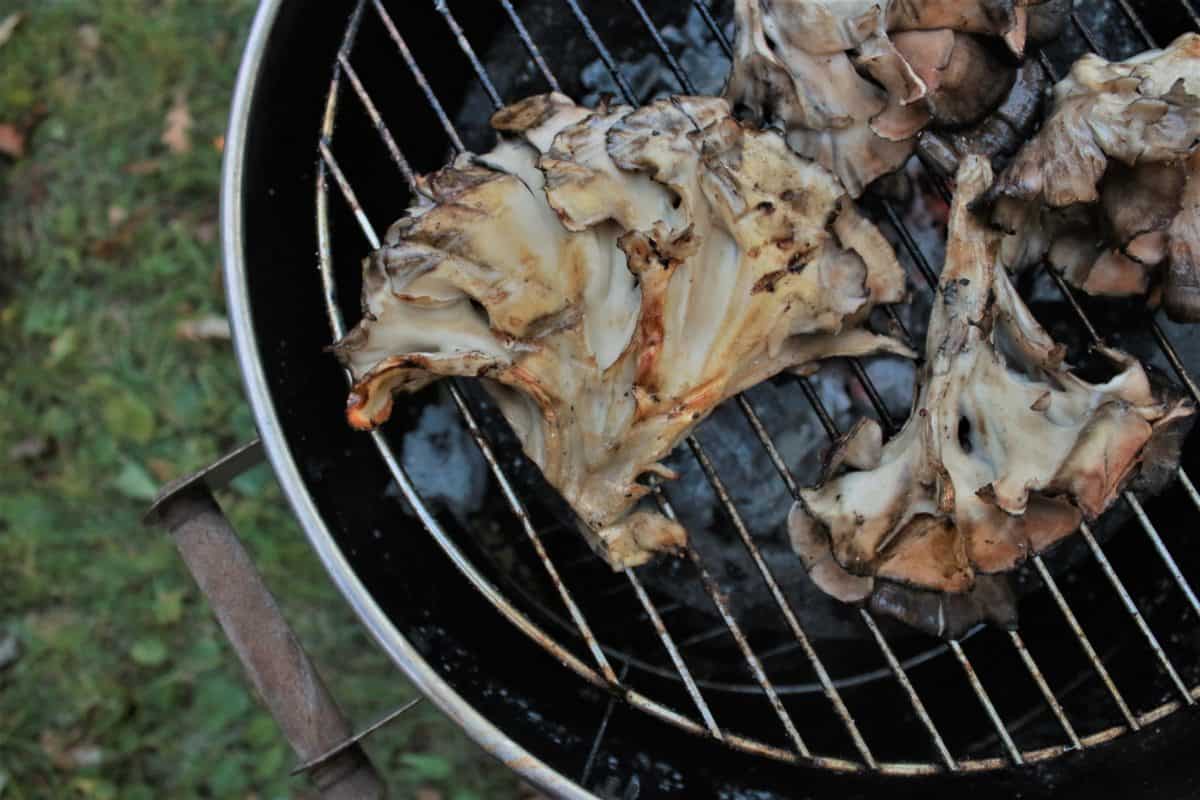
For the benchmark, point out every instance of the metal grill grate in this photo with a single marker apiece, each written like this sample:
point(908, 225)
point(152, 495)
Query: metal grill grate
point(599, 670)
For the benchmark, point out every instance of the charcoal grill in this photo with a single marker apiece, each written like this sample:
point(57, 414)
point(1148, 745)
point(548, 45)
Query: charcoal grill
point(717, 674)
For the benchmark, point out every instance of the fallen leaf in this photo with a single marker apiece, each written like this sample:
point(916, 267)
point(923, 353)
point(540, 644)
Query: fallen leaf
point(147, 166)
point(203, 328)
point(14, 136)
point(12, 140)
point(28, 449)
point(9, 25)
point(117, 215)
point(89, 39)
point(177, 134)
point(54, 745)
point(162, 469)
point(67, 753)
point(122, 237)
point(219, 144)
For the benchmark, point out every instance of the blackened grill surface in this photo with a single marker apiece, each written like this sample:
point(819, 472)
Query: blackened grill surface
point(799, 435)
point(549, 713)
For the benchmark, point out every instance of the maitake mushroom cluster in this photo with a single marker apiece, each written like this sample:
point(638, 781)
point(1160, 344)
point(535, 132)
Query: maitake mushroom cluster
point(853, 83)
point(1109, 190)
point(613, 275)
point(1005, 452)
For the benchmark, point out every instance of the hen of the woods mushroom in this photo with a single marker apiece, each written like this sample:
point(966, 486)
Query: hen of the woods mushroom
point(854, 83)
point(613, 275)
point(1109, 190)
point(1005, 452)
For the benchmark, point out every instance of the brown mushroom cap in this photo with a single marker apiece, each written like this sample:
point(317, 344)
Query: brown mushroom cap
point(965, 81)
point(854, 82)
point(1122, 137)
point(1001, 133)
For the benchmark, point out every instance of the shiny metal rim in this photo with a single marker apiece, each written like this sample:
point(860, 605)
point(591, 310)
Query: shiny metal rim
point(406, 657)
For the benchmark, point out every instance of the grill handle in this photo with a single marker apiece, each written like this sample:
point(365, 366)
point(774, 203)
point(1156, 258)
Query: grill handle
point(284, 678)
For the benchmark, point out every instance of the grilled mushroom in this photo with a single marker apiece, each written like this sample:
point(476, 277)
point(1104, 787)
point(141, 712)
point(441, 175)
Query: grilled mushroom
point(964, 80)
point(1001, 133)
point(613, 275)
point(1107, 190)
point(853, 83)
point(1005, 452)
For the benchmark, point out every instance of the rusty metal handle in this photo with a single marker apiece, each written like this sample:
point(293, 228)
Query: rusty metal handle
point(283, 676)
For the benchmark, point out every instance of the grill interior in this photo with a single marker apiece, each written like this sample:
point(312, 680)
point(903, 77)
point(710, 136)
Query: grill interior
point(731, 642)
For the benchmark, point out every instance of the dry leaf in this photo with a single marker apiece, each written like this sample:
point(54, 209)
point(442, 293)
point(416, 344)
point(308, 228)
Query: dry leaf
point(14, 136)
point(147, 166)
point(66, 753)
point(203, 328)
point(162, 469)
point(219, 144)
point(9, 25)
point(117, 215)
point(12, 140)
point(121, 238)
point(177, 134)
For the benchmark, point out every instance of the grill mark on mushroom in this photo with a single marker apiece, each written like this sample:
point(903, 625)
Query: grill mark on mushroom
point(597, 269)
point(1005, 452)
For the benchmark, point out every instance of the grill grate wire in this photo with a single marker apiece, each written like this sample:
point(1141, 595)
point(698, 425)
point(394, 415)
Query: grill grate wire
point(606, 677)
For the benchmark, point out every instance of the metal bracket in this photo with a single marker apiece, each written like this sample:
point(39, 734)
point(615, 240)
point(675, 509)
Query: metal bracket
point(216, 475)
point(284, 677)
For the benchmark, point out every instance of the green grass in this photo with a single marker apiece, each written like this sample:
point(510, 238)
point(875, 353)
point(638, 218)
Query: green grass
point(124, 686)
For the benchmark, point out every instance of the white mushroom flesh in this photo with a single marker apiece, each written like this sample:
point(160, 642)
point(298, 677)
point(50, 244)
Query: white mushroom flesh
point(613, 275)
point(1107, 190)
point(853, 82)
point(1005, 452)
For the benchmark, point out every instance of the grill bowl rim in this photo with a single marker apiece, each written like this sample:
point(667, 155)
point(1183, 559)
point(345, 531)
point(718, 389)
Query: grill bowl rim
point(245, 341)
